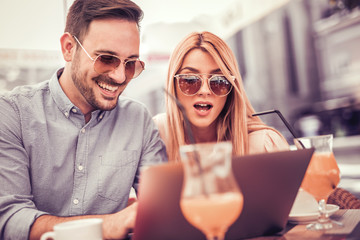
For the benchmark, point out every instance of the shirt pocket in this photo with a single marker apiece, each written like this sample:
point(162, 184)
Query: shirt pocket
point(116, 174)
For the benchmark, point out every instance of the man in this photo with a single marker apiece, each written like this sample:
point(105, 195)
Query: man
point(70, 147)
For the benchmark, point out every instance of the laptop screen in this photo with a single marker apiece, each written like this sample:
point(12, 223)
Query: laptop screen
point(269, 183)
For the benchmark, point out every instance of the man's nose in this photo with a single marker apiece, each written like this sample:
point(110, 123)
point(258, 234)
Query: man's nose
point(118, 74)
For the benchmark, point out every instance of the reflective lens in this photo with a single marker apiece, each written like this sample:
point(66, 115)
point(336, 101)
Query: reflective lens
point(190, 84)
point(219, 85)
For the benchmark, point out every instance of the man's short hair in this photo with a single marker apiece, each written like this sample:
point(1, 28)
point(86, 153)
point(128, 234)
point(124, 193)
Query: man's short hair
point(83, 12)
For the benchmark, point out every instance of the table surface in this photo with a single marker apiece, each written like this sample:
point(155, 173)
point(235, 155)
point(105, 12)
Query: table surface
point(349, 217)
point(351, 230)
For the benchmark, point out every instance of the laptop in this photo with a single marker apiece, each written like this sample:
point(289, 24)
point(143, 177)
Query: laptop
point(269, 183)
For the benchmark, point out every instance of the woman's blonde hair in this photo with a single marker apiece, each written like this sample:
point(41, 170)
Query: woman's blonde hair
point(235, 121)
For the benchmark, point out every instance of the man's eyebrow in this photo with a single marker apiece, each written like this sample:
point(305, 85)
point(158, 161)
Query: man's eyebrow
point(114, 54)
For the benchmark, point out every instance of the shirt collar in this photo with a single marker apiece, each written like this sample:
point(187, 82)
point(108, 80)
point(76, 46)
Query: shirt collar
point(60, 98)
point(63, 102)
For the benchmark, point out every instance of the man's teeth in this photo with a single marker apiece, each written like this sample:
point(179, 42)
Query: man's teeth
point(107, 87)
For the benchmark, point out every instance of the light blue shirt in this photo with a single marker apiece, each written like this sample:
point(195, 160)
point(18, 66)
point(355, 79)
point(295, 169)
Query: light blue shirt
point(51, 162)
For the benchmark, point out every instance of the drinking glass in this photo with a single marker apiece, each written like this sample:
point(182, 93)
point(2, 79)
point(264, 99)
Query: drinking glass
point(211, 200)
point(321, 177)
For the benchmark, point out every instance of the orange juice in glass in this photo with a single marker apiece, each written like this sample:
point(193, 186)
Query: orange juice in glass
point(210, 199)
point(213, 214)
point(322, 176)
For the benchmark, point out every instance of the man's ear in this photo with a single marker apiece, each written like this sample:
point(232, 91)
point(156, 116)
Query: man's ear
point(67, 46)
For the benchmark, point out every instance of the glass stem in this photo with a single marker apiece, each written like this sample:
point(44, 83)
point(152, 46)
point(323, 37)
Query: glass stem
point(324, 216)
point(215, 238)
point(220, 237)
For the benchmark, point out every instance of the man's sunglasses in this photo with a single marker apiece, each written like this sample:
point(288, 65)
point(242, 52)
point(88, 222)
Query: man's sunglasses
point(190, 84)
point(105, 63)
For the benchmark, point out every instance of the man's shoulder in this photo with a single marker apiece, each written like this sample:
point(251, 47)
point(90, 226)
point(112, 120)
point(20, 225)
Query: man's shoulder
point(26, 92)
point(21, 95)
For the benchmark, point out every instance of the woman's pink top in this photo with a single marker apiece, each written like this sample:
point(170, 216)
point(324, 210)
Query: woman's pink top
point(260, 141)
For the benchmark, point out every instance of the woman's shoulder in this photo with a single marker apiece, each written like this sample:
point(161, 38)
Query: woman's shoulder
point(266, 140)
point(160, 121)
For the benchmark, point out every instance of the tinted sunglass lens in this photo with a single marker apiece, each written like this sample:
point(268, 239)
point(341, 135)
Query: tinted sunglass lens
point(133, 68)
point(189, 85)
point(220, 85)
point(106, 63)
point(130, 69)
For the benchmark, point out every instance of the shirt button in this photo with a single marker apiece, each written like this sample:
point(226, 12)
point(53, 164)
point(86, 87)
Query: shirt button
point(83, 130)
point(74, 110)
point(76, 201)
point(66, 114)
point(80, 167)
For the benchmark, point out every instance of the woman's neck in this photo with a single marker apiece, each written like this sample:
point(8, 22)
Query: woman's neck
point(207, 134)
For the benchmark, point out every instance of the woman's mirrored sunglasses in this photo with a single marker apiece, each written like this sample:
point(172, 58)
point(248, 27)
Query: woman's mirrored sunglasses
point(105, 63)
point(190, 84)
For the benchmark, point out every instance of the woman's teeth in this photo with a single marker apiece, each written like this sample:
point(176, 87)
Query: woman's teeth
point(107, 87)
point(202, 106)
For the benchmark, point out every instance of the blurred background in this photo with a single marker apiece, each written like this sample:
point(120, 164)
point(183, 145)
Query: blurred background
point(301, 57)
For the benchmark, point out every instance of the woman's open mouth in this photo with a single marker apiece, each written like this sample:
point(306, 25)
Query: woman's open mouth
point(203, 106)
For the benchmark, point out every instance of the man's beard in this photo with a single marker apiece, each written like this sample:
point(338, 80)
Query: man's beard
point(79, 80)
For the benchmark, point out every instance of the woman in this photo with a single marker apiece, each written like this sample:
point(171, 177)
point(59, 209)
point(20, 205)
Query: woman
point(204, 76)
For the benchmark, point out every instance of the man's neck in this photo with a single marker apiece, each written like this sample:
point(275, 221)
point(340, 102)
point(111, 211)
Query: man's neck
point(74, 95)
